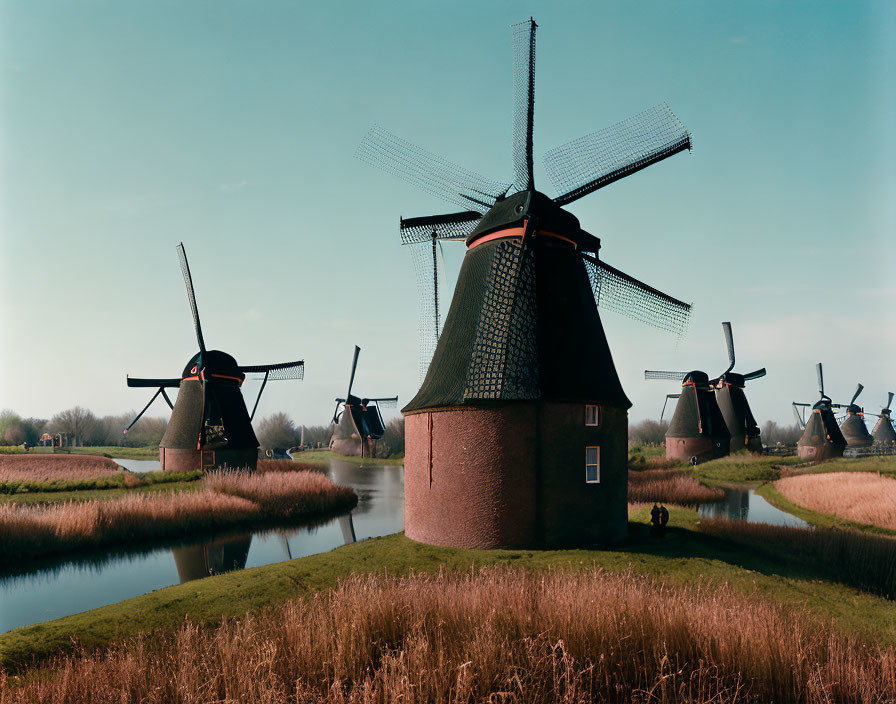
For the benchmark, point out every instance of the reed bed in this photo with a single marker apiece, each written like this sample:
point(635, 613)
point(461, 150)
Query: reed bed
point(223, 501)
point(861, 560)
point(500, 634)
point(42, 468)
point(670, 486)
point(861, 497)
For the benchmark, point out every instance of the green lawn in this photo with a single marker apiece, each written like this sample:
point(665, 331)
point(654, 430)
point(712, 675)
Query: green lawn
point(126, 453)
point(683, 556)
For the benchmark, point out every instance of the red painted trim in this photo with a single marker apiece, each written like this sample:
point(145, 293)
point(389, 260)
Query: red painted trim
point(516, 232)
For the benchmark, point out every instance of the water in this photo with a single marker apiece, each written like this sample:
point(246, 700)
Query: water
point(139, 466)
point(747, 505)
point(62, 587)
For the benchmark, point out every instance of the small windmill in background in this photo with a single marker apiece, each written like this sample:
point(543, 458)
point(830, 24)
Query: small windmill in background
point(359, 423)
point(210, 426)
point(821, 439)
point(853, 426)
point(883, 433)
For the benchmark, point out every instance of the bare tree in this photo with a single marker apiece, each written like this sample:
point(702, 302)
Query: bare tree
point(772, 433)
point(277, 430)
point(78, 423)
point(392, 442)
point(15, 434)
point(648, 432)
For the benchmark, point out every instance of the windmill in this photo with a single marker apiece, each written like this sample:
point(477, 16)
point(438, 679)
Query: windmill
point(210, 426)
point(883, 433)
point(853, 426)
point(521, 384)
point(695, 430)
point(360, 424)
point(821, 439)
point(730, 396)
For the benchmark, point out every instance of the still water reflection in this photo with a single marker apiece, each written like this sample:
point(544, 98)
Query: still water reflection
point(747, 505)
point(60, 588)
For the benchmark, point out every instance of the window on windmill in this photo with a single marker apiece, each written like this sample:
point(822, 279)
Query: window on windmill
point(592, 465)
point(592, 416)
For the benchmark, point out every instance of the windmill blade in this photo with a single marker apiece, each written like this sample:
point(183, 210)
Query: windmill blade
point(755, 375)
point(281, 371)
point(160, 390)
point(856, 394)
point(598, 159)
point(665, 376)
point(617, 291)
point(191, 294)
point(429, 171)
point(889, 399)
point(390, 402)
point(523, 103)
point(668, 396)
point(729, 341)
point(135, 382)
point(820, 378)
point(351, 379)
point(454, 226)
point(339, 401)
point(796, 412)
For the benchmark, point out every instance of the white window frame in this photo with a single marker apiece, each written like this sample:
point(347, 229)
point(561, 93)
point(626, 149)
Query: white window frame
point(596, 465)
point(596, 422)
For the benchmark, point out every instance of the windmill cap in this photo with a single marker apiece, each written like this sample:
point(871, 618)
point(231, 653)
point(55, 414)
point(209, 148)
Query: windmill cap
point(822, 405)
point(697, 378)
point(513, 210)
point(213, 362)
point(853, 408)
point(734, 379)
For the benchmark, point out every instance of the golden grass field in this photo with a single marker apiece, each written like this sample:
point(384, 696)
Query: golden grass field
point(861, 497)
point(37, 468)
point(496, 634)
point(674, 486)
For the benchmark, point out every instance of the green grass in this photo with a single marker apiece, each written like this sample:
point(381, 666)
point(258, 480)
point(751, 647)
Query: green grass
point(54, 491)
point(321, 458)
point(881, 464)
point(742, 468)
point(125, 453)
point(684, 556)
point(822, 520)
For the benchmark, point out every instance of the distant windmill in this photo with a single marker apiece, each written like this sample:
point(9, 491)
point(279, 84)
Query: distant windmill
point(210, 427)
point(697, 428)
point(821, 439)
point(729, 388)
point(853, 426)
point(360, 424)
point(883, 432)
point(521, 383)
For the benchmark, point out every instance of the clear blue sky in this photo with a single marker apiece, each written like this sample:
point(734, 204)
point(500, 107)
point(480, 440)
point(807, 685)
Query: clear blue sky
point(127, 127)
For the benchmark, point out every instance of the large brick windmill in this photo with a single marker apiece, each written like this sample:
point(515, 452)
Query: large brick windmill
point(821, 439)
point(210, 426)
point(518, 434)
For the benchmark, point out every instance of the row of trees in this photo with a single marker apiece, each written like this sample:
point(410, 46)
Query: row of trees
point(653, 432)
point(279, 430)
point(82, 427)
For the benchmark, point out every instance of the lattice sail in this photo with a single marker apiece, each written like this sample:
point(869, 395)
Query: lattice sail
point(278, 372)
point(456, 226)
point(523, 103)
point(598, 159)
point(429, 298)
point(664, 375)
point(620, 293)
point(429, 171)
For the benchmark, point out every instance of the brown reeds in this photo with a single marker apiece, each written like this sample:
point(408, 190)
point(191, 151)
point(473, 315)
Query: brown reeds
point(861, 560)
point(223, 501)
point(501, 634)
point(42, 468)
point(861, 497)
point(670, 486)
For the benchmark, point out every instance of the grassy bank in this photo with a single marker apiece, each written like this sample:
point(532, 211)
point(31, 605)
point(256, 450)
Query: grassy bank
point(125, 453)
point(684, 557)
point(321, 458)
point(221, 501)
point(495, 634)
point(742, 468)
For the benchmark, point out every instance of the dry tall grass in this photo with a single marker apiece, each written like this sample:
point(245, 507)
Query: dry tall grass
point(670, 486)
point(855, 496)
point(40, 468)
point(223, 501)
point(499, 635)
point(865, 561)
